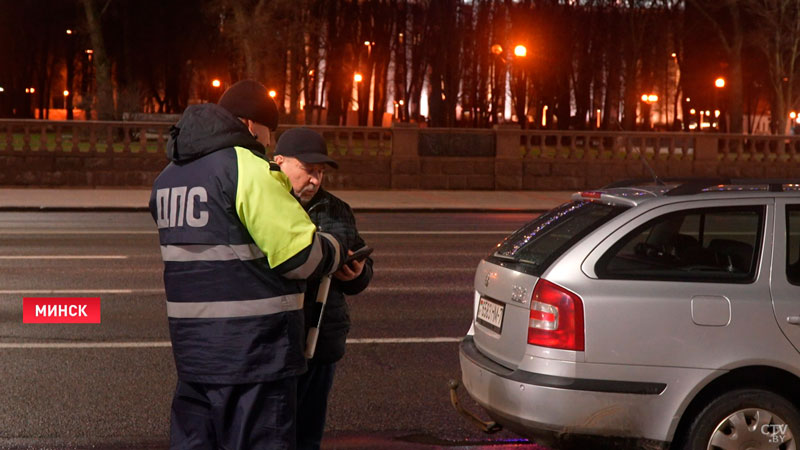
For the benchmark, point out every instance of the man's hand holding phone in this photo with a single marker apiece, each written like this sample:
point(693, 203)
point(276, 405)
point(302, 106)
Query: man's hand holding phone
point(353, 265)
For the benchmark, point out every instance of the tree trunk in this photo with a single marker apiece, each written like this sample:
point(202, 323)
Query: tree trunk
point(102, 65)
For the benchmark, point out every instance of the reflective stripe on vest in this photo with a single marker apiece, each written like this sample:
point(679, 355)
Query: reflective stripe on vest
point(240, 308)
point(184, 253)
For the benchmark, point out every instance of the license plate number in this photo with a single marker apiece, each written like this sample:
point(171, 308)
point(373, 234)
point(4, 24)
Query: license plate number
point(490, 314)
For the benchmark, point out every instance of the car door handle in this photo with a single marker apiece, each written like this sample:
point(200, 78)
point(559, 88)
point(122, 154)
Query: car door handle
point(794, 320)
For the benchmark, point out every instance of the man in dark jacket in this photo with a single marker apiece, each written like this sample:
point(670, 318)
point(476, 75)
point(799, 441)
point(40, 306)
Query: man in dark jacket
point(237, 249)
point(303, 156)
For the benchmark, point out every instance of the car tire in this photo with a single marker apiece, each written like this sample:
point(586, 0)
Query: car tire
point(745, 418)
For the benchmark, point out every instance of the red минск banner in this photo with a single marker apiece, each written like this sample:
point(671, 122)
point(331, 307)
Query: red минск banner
point(61, 310)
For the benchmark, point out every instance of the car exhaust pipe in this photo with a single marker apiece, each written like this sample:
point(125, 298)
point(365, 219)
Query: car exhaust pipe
point(488, 427)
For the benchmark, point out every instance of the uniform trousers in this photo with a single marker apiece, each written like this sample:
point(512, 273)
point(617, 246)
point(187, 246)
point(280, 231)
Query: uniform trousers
point(313, 388)
point(234, 417)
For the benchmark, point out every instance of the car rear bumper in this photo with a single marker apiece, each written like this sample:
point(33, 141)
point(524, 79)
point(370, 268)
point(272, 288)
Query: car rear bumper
point(564, 411)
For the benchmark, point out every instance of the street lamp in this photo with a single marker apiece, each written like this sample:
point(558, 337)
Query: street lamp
point(719, 83)
point(497, 51)
point(521, 52)
point(358, 78)
point(216, 83)
point(648, 100)
point(272, 93)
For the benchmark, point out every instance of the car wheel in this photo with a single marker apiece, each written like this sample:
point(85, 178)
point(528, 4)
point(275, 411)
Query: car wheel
point(745, 419)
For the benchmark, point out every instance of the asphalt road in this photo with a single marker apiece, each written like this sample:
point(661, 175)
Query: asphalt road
point(110, 385)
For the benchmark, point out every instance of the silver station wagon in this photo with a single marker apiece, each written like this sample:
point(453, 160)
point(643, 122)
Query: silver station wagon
point(645, 315)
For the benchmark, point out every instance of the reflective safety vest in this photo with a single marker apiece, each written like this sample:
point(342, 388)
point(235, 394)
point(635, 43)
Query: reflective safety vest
point(237, 248)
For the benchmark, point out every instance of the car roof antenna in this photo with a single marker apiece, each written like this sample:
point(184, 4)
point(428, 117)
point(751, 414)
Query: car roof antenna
point(649, 167)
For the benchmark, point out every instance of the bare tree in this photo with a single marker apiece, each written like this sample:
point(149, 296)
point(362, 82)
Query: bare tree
point(726, 18)
point(779, 36)
point(102, 64)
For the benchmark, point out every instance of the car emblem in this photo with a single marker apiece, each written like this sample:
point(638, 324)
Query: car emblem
point(518, 294)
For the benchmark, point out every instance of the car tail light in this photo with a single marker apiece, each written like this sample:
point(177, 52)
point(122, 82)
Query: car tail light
point(556, 318)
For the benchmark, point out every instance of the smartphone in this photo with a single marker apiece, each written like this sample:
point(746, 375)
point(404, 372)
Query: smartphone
point(359, 255)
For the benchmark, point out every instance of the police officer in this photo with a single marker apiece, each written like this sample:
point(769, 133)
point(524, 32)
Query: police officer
point(237, 248)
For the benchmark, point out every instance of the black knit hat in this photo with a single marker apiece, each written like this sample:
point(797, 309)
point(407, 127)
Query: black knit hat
point(306, 145)
point(248, 99)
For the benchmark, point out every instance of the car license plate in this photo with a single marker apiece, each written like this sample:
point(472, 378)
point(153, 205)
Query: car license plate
point(490, 314)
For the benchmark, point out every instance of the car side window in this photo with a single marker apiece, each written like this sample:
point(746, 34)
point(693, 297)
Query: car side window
point(793, 244)
point(717, 245)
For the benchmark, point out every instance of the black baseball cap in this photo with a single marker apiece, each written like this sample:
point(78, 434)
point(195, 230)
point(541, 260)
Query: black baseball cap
point(249, 99)
point(306, 145)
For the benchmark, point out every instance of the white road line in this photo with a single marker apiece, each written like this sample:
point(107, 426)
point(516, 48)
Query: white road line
point(6, 257)
point(446, 289)
point(435, 232)
point(163, 344)
point(441, 289)
point(55, 345)
point(80, 291)
point(403, 340)
point(90, 232)
point(426, 269)
point(62, 232)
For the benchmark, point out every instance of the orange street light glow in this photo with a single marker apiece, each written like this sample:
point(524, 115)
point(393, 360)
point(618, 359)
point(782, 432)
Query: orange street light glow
point(66, 93)
point(216, 83)
point(357, 78)
point(69, 31)
point(792, 115)
point(652, 98)
point(719, 82)
point(497, 49)
point(520, 51)
point(272, 93)
point(692, 111)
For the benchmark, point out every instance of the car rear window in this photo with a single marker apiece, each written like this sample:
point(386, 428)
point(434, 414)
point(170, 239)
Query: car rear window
point(532, 248)
point(717, 245)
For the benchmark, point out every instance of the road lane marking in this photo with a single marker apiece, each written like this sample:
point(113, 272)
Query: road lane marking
point(80, 291)
point(56, 345)
point(390, 232)
point(426, 269)
point(415, 340)
point(435, 232)
point(400, 289)
point(6, 257)
point(163, 344)
point(62, 232)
